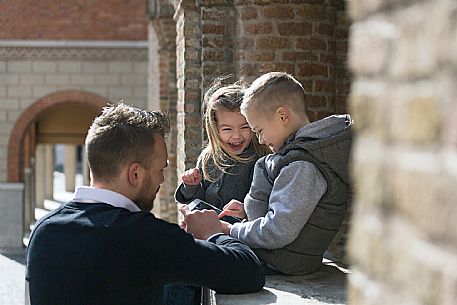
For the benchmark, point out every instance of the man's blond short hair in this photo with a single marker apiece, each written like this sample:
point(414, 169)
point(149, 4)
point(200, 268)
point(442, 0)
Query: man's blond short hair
point(272, 90)
point(123, 134)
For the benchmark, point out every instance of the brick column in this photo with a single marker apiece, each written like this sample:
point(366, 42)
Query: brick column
point(188, 68)
point(162, 78)
point(218, 39)
point(404, 100)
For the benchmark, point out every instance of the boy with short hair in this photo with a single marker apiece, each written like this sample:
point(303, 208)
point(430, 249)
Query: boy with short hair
point(299, 194)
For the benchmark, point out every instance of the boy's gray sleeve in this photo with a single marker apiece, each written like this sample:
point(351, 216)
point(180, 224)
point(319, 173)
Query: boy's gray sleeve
point(296, 192)
point(256, 201)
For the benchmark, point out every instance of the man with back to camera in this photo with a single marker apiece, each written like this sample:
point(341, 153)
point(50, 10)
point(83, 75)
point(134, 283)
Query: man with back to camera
point(105, 247)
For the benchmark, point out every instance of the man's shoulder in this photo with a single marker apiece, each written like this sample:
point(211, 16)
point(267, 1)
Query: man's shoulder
point(101, 214)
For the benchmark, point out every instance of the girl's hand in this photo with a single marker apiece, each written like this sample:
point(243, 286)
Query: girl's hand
point(233, 208)
point(191, 177)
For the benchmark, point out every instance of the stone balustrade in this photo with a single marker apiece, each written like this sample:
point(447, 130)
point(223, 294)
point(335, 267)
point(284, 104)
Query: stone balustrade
point(328, 286)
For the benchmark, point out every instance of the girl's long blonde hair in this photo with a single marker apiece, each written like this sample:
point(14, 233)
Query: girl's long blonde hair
point(228, 98)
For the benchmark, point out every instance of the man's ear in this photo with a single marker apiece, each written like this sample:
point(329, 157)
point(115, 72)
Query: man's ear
point(283, 114)
point(134, 174)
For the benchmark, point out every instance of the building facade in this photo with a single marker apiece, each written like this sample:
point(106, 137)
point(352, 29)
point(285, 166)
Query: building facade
point(60, 63)
point(391, 64)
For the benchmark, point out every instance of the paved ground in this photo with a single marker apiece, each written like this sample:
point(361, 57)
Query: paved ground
point(12, 269)
point(12, 277)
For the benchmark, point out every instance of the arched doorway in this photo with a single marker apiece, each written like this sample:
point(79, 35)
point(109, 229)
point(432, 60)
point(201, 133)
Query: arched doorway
point(60, 118)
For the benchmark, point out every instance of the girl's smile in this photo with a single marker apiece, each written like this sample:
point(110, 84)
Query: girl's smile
point(234, 131)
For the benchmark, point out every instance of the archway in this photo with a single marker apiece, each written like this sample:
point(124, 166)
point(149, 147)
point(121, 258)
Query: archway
point(43, 122)
point(32, 114)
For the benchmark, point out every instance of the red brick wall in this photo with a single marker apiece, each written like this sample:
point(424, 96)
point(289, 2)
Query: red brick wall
point(305, 38)
point(73, 20)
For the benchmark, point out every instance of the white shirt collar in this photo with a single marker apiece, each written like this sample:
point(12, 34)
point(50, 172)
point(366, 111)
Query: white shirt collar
point(89, 194)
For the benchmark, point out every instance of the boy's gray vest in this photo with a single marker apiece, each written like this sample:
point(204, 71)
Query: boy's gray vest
point(331, 157)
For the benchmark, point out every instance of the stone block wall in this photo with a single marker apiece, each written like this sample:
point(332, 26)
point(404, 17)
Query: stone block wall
point(11, 217)
point(23, 81)
point(403, 243)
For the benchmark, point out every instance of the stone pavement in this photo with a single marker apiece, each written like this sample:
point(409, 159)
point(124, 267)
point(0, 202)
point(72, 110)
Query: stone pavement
point(12, 277)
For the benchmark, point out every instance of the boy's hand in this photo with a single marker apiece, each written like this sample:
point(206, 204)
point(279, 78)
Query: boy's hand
point(233, 208)
point(201, 224)
point(191, 177)
point(226, 227)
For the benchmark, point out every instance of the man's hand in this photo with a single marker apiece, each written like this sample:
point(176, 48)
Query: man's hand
point(191, 177)
point(201, 224)
point(233, 208)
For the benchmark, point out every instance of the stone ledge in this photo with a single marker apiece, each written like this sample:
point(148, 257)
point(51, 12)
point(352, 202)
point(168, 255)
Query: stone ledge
point(327, 286)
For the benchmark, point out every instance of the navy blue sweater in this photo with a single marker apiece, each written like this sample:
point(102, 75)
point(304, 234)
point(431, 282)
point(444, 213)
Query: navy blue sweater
point(86, 253)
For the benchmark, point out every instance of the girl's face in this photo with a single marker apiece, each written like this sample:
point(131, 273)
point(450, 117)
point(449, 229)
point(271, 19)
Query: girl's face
point(234, 131)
